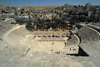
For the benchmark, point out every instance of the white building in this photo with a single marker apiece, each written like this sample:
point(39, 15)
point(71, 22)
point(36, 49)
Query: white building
point(10, 20)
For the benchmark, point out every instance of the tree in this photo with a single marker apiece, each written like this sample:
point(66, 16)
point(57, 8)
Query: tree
point(48, 20)
point(29, 25)
point(73, 21)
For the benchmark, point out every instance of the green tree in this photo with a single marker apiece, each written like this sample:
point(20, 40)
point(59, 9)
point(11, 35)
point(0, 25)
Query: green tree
point(29, 25)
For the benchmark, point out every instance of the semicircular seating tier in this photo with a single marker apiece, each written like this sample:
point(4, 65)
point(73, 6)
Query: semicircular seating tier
point(73, 41)
point(13, 34)
point(97, 28)
point(90, 41)
point(15, 55)
point(88, 35)
point(4, 27)
point(17, 36)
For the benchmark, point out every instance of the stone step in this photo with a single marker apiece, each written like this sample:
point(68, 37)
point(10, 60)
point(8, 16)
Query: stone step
point(24, 64)
point(6, 59)
point(96, 62)
point(11, 64)
point(87, 64)
point(2, 56)
point(35, 64)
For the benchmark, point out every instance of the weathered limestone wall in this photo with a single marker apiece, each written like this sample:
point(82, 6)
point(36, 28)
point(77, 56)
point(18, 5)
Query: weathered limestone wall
point(51, 34)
